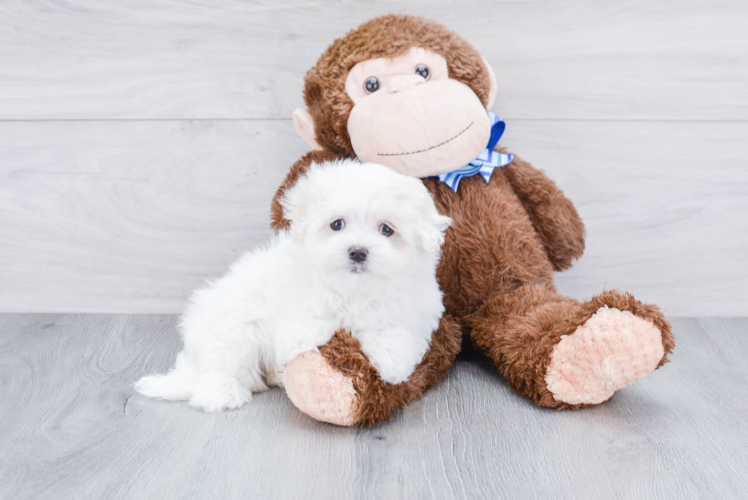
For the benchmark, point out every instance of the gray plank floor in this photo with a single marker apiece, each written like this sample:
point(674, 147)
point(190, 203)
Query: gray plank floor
point(71, 427)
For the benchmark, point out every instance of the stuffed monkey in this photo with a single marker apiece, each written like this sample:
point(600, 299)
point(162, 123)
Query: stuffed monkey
point(409, 93)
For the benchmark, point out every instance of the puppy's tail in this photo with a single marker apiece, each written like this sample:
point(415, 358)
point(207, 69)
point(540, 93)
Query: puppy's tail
point(177, 385)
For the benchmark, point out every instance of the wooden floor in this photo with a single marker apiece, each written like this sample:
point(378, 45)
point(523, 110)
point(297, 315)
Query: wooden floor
point(71, 427)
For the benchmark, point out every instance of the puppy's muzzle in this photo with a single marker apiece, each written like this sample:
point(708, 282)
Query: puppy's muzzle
point(357, 254)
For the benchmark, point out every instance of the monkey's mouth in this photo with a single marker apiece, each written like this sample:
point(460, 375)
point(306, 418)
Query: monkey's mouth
point(432, 147)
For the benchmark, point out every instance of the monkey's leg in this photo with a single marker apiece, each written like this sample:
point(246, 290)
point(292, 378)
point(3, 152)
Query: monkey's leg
point(338, 385)
point(567, 354)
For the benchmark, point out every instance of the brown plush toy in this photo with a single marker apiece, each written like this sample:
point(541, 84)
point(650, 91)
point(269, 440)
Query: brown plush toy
point(411, 94)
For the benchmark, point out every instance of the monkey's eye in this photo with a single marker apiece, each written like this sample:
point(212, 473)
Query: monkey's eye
point(337, 224)
point(423, 70)
point(371, 85)
point(386, 230)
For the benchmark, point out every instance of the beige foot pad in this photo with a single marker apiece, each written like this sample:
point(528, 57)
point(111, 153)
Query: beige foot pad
point(611, 350)
point(320, 391)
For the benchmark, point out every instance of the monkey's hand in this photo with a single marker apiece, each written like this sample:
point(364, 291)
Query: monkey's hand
point(552, 214)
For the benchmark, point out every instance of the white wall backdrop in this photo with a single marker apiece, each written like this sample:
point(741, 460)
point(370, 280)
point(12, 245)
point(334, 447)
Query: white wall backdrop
point(141, 141)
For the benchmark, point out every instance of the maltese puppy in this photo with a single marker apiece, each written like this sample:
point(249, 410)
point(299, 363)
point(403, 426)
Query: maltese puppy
point(361, 254)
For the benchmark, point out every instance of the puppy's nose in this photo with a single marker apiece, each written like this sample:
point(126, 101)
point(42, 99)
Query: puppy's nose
point(357, 254)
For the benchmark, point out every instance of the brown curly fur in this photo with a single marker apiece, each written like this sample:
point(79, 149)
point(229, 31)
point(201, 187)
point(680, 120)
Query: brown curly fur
point(506, 239)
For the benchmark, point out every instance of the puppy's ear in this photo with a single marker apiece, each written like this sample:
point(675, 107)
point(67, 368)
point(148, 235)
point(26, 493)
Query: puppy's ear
point(428, 225)
point(296, 203)
point(431, 230)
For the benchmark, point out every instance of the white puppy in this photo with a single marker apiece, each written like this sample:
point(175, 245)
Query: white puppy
point(361, 254)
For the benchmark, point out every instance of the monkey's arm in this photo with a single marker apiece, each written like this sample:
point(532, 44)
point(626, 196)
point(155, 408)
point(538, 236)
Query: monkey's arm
point(277, 221)
point(339, 384)
point(552, 214)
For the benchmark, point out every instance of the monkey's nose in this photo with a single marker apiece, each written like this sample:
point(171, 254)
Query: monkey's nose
point(357, 254)
point(405, 82)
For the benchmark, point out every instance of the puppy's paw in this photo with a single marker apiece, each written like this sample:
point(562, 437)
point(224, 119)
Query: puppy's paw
point(170, 387)
point(320, 391)
point(212, 394)
point(274, 379)
point(152, 386)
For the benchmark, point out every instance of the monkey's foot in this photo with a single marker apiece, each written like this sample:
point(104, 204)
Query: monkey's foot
point(321, 391)
point(609, 351)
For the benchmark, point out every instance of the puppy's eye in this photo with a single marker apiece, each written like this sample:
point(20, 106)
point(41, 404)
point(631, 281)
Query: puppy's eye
point(423, 70)
point(386, 230)
point(371, 85)
point(337, 224)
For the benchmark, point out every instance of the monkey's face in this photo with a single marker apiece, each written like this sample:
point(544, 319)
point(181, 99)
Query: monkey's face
point(410, 116)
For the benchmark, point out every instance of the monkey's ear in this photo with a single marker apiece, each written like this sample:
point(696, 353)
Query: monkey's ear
point(304, 125)
point(491, 92)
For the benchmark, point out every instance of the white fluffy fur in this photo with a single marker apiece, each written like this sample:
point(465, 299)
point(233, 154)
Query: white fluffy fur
point(290, 297)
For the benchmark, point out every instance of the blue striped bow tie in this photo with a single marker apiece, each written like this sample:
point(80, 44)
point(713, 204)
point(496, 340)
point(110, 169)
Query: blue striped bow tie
point(486, 162)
